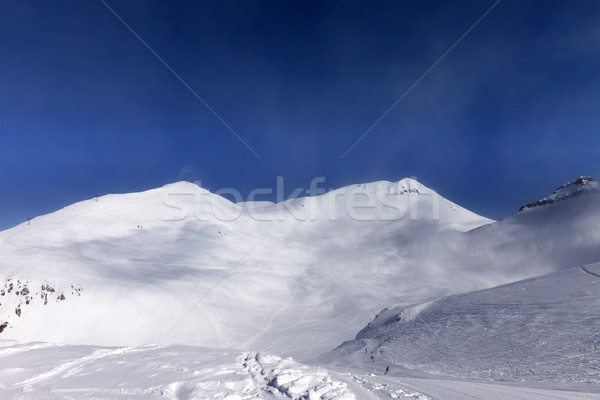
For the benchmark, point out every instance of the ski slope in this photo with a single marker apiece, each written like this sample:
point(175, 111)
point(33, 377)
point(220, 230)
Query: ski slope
point(544, 329)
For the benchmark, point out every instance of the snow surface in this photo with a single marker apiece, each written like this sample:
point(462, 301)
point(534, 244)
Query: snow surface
point(41, 371)
point(45, 371)
point(544, 329)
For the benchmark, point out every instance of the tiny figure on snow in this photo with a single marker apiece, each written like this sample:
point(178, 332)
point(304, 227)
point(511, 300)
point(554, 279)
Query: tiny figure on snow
point(387, 369)
point(372, 359)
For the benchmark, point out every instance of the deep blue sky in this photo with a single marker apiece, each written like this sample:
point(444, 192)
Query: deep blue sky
point(512, 112)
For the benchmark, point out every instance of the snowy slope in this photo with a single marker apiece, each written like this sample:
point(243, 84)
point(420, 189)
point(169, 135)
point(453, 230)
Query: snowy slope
point(544, 329)
point(179, 264)
point(44, 371)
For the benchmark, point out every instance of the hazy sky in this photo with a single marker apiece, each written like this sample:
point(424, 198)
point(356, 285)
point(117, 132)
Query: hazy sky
point(511, 112)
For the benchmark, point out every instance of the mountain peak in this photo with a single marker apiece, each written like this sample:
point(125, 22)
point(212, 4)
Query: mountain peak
point(180, 185)
point(581, 181)
point(573, 188)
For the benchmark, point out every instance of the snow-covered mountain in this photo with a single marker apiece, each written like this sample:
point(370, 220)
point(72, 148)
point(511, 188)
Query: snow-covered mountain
point(179, 264)
point(544, 329)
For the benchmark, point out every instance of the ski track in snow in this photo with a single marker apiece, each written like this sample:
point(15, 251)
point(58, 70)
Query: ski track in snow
point(587, 271)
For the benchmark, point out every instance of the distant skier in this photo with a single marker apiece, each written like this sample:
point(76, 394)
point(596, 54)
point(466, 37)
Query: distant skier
point(372, 359)
point(387, 369)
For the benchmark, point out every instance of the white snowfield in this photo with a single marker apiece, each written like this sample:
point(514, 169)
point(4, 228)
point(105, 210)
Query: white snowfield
point(180, 265)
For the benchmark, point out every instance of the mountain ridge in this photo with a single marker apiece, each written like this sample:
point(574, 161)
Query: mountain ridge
point(576, 187)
